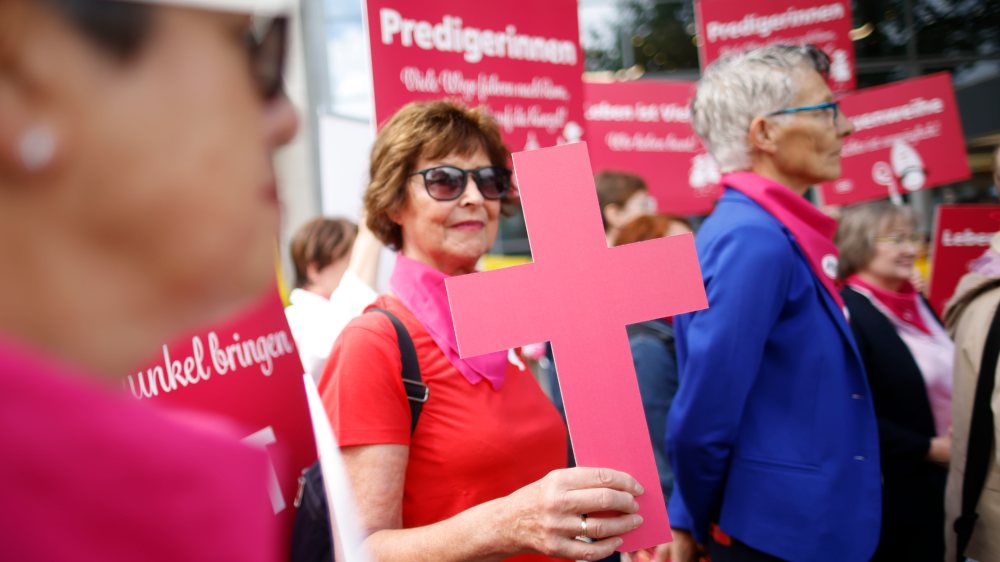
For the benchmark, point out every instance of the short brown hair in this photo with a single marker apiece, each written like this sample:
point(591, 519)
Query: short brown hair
point(319, 243)
point(615, 188)
point(422, 130)
point(859, 226)
point(647, 227)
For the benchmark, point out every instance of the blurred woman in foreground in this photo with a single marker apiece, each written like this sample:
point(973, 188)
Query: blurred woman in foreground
point(137, 201)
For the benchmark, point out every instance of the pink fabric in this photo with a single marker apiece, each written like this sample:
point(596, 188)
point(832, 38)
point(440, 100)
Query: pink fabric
point(421, 289)
point(902, 303)
point(987, 264)
point(88, 475)
point(934, 353)
point(813, 231)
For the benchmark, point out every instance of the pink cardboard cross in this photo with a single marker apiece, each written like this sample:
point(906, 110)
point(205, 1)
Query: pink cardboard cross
point(579, 295)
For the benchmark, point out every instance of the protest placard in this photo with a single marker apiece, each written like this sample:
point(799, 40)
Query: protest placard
point(246, 371)
point(519, 59)
point(907, 137)
point(553, 299)
point(731, 26)
point(961, 234)
point(644, 128)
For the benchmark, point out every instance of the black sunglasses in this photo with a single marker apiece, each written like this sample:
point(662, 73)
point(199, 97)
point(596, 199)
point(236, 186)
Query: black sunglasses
point(447, 183)
point(267, 43)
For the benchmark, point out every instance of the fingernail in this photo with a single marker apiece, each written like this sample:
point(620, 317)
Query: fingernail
point(618, 542)
point(640, 489)
point(636, 520)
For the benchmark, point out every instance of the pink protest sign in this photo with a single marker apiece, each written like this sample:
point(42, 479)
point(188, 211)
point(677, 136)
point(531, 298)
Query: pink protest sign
point(579, 295)
point(961, 234)
point(731, 26)
point(247, 370)
point(907, 137)
point(644, 127)
point(520, 59)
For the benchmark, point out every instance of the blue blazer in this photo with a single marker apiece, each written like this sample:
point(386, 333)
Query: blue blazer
point(772, 434)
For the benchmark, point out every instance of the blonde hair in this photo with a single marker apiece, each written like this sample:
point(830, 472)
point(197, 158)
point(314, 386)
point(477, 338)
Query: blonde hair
point(859, 226)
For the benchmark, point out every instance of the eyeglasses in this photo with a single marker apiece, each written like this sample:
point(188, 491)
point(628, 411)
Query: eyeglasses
point(833, 106)
point(447, 183)
point(900, 239)
point(266, 41)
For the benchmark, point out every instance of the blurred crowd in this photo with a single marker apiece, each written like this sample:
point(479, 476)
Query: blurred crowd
point(818, 410)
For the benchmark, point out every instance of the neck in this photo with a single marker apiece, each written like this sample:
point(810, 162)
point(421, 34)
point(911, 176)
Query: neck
point(881, 282)
point(317, 290)
point(765, 167)
point(449, 267)
point(82, 305)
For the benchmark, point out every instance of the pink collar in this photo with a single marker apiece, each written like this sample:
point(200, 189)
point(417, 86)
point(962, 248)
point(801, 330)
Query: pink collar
point(421, 289)
point(812, 230)
point(902, 303)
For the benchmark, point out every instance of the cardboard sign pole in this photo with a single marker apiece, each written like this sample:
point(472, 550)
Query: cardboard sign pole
point(580, 295)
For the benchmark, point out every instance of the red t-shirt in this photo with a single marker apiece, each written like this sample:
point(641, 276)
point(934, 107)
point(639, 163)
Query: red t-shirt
point(472, 443)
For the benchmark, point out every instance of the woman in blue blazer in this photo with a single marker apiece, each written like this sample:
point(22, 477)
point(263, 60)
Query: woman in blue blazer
point(772, 435)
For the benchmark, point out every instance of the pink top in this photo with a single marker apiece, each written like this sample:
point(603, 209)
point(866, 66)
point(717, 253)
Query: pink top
point(813, 231)
point(903, 303)
point(933, 351)
point(421, 289)
point(88, 475)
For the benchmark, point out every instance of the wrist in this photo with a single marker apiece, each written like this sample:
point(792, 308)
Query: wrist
point(492, 528)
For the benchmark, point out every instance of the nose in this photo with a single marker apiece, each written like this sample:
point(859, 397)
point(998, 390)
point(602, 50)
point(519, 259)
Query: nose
point(471, 195)
point(845, 126)
point(281, 121)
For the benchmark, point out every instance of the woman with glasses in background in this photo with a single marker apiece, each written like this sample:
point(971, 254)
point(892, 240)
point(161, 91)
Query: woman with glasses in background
point(137, 202)
point(909, 358)
point(476, 478)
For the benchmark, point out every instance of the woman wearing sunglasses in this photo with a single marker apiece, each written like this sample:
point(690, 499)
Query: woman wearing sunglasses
point(909, 360)
point(137, 202)
point(477, 478)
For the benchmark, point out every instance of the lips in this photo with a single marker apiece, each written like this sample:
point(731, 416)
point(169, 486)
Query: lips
point(469, 225)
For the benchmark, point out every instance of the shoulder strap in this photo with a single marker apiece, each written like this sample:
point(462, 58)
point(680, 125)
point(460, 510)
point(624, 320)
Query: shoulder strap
point(980, 447)
point(416, 391)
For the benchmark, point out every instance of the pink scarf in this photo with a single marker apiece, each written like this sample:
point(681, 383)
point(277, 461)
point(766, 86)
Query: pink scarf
point(813, 231)
point(421, 289)
point(902, 303)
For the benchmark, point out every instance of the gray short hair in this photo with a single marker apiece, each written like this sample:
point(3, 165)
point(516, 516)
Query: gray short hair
point(737, 88)
point(859, 226)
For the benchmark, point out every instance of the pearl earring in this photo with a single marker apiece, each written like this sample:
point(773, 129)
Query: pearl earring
point(37, 147)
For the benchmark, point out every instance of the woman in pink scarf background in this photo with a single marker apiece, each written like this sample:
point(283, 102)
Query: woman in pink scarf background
point(909, 358)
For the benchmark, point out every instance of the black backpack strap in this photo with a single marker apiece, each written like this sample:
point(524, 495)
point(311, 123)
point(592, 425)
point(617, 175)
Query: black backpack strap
point(980, 447)
point(311, 540)
point(416, 391)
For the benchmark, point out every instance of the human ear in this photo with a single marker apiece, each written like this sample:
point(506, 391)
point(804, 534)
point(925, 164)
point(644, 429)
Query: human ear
point(29, 139)
point(312, 273)
point(762, 135)
point(613, 214)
